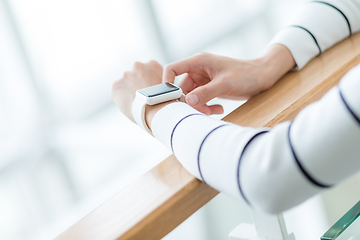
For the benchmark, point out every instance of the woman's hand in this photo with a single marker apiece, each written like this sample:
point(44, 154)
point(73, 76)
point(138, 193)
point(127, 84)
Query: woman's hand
point(209, 76)
point(141, 76)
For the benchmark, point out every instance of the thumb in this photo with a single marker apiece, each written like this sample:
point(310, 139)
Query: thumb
point(201, 95)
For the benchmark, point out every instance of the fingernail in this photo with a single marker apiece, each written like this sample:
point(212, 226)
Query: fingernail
point(192, 100)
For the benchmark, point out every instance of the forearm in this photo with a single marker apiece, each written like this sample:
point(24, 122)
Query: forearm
point(272, 170)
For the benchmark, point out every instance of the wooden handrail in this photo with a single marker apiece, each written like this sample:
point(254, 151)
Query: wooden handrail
point(165, 196)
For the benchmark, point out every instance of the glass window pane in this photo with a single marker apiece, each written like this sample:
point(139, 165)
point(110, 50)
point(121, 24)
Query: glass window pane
point(78, 48)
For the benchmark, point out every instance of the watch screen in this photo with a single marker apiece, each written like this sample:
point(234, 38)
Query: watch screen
point(158, 89)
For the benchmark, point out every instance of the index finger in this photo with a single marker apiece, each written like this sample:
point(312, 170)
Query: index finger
point(177, 68)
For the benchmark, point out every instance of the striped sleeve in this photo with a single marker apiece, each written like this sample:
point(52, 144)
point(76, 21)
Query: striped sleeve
point(317, 26)
point(272, 170)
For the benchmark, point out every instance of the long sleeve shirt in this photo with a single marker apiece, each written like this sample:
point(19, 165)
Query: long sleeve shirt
point(276, 169)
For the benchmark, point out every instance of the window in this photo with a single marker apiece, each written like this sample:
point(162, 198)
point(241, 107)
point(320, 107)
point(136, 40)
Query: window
point(65, 148)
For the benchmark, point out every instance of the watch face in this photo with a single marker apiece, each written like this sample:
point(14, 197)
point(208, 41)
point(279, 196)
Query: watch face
point(158, 89)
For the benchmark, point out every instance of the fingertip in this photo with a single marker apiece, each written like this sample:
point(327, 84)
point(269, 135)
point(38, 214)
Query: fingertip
point(204, 109)
point(168, 75)
point(206, 92)
point(216, 109)
point(186, 83)
point(165, 78)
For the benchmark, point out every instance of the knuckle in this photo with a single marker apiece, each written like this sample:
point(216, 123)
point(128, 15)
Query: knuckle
point(202, 54)
point(206, 94)
point(168, 68)
point(137, 65)
point(155, 65)
point(119, 84)
point(126, 74)
point(115, 86)
point(152, 63)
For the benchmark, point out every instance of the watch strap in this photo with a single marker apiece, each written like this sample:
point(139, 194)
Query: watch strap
point(138, 111)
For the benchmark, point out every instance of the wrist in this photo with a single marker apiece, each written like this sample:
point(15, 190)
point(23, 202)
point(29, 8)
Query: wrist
point(275, 63)
point(151, 110)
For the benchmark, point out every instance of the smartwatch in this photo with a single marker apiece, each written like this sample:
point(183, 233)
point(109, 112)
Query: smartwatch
point(151, 96)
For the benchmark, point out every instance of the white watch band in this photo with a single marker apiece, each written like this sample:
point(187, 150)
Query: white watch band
point(138, 111)
point(153, 95)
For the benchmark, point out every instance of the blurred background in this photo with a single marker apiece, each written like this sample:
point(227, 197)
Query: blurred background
point(64, 146)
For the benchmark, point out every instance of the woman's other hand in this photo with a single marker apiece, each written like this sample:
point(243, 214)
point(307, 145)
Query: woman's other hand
point(209, 76)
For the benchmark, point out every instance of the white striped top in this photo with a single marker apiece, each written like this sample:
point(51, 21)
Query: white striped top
point(276, 169)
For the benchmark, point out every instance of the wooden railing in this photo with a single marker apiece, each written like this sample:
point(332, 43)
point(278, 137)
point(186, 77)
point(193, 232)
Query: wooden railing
point(165, 196)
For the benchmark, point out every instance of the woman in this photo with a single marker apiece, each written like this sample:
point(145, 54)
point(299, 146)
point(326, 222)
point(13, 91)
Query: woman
point(271, 169)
